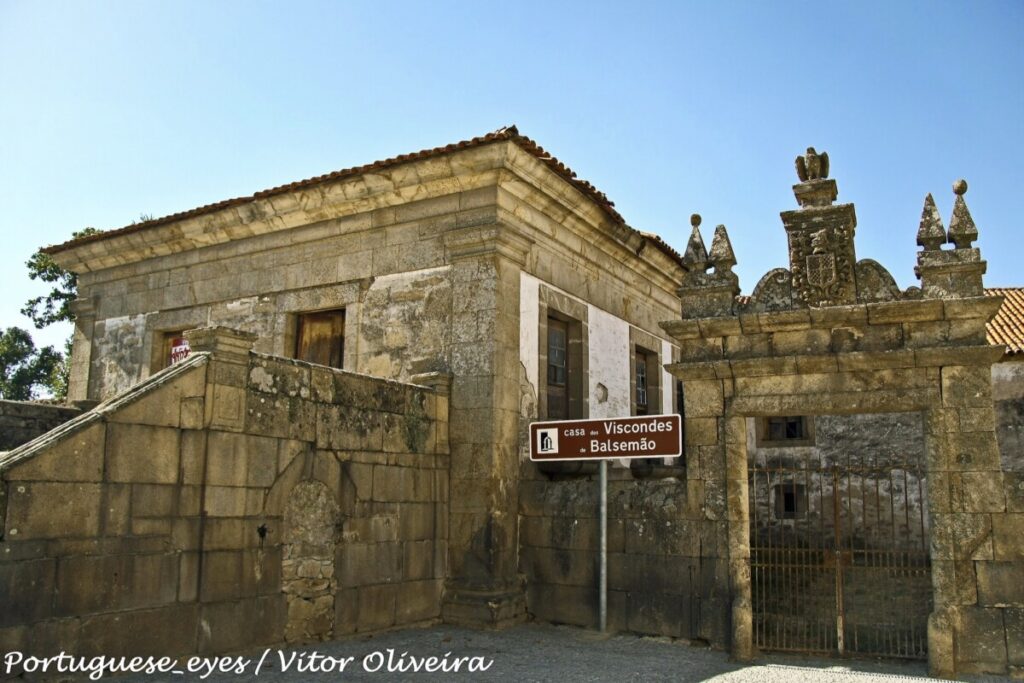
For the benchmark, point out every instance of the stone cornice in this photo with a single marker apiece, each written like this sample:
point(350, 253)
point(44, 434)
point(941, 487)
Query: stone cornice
point(980, 308)
point(500, 164)
point(426, 179)
point(531, 183)
point(485, 241)
point(865, 361)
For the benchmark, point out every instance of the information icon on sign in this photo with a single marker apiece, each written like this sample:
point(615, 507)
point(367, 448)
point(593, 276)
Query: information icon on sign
point(547, 440)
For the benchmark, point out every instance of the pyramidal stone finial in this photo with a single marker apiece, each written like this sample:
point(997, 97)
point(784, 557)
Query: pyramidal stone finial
point(696, 256)
point(931, 235)
point(962, 230)
point(721, 254)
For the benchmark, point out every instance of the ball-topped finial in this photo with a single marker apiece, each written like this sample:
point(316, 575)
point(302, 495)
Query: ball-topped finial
point(695, 220)
point(960, 187)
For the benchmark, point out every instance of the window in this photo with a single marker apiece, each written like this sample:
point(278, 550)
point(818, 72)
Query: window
point(320, 338)
point(563, 364)
point(645, 369)
point(641, 382)
point(785, 430)
point(646, 399)
point(790, 501)
point(558, 369)
point(562, 360)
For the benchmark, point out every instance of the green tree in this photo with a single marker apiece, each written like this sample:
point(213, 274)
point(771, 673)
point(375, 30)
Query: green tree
point(23, 368)
point(55, 306)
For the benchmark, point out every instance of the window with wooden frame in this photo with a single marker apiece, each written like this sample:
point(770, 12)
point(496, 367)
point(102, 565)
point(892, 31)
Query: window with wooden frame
point(558, 369)
point(563, 369)
point(645, 393)
point(646, 399)
point(320, 337)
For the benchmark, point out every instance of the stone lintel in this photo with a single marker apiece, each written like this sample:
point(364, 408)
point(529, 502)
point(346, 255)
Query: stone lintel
point(905, 311)
point(719, 327)
point(785, 321)
point(958, 355)
point(836, 403)
point(762, 367)
point(875, 360)
point(839, 315)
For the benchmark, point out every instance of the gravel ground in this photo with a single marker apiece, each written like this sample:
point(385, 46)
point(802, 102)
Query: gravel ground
point(548, 653)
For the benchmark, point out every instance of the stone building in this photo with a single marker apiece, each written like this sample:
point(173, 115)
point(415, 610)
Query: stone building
point(313, 402)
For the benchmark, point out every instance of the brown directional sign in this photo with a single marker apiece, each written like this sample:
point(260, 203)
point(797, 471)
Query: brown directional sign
point(645, 436)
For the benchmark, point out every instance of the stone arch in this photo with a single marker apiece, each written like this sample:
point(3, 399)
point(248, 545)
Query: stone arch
point(311, 518)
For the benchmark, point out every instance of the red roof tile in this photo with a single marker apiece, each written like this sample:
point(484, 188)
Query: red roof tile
point(509, 133)
point(1007, 327)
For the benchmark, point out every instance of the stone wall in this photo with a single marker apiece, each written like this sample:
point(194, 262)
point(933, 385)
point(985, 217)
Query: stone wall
point(662, 555)
point(1008, 394)
point(22, 421)
point(228, 502)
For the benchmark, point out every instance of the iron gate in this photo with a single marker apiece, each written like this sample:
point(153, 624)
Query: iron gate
point(839, 556)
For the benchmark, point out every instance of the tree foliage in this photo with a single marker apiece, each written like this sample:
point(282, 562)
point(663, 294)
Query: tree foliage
point(23, 368)
point(55, 306)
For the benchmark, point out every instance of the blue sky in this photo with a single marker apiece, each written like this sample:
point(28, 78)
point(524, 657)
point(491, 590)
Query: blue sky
point(112, 109)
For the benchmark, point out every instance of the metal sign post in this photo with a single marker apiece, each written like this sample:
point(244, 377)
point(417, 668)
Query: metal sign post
point(603, 587)
point(644, 436)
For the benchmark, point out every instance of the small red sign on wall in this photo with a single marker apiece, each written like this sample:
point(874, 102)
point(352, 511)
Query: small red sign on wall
point(179, 350)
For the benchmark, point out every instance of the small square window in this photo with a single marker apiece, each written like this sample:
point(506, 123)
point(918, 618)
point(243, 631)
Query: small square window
point(785, 430)
point(790, 501)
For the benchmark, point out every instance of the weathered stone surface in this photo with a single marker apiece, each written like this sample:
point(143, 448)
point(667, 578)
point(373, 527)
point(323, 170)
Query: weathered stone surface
point(982, 642)
point(1001, 584)
point(164, 631)
point(140, 453)
point(31, 512)
point(78, 458)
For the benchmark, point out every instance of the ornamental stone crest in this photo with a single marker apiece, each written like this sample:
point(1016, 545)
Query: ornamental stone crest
point(823, 266)
point(822, 261)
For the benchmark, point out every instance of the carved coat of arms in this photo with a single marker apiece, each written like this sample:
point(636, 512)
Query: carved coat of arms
point(822, 262)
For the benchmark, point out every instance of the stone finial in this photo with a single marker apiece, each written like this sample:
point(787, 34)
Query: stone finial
point(815, 189)
point(812, 166)
point(721, 255)
point(708, 293)
point(962, 230)
point(696, 256)
point(931, 235)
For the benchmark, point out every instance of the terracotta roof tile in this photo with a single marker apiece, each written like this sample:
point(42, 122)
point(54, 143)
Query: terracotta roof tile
point(1007, 327)
point(509, 133)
